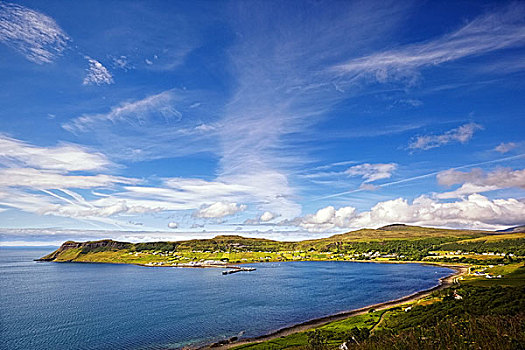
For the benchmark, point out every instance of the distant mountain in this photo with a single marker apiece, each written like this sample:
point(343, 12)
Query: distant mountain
point(515, 229)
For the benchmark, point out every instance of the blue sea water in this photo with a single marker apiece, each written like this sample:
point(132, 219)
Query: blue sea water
point(106, 306)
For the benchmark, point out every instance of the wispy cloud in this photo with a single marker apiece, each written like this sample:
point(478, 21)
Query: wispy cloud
point(135, 112)
point(161, 125)
point(33, 34)
point(50, 179)
point(372, 172)
point(64, 157)
point(460, 134)
point(366, 171)
point(284, 88)
point(41, 40)
point(491, 32)
point(97, 74)
point(505, 147)
point(43, 180)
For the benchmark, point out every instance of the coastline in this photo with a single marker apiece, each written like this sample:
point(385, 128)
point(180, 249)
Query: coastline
point(444, 282)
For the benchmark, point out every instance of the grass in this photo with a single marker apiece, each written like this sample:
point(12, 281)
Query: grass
point(69, 254)
point(337, 329)
point(495, 238)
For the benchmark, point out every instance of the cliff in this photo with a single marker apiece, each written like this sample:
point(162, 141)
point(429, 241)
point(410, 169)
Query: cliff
point(85, 247)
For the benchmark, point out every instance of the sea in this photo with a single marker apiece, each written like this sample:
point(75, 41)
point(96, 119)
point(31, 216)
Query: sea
point(47, 305)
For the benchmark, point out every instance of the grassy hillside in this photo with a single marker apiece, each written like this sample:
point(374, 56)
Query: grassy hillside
point(393, 242)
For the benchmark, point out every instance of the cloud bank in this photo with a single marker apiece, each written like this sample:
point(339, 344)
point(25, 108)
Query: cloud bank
point(475, 211)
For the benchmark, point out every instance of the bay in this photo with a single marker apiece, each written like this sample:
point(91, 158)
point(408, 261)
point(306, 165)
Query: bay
point(109, 306)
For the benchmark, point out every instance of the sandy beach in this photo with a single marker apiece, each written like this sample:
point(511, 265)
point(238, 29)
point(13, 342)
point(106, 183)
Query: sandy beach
point(443, 283)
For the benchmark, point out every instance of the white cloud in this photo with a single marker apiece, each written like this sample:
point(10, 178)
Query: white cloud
point(372, 172)
point(97, 74)
point(460, 134)
point(326, 219)
point(477, 181)
point(494, 31)
point(505, 147)
point(33, 34)
point(264, 218)
point(173, 225)
point(65, 157)
point(267, 216)
point(219, 210)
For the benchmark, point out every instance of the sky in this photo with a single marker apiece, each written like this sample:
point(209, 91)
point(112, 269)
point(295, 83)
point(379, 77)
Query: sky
point(168, 120)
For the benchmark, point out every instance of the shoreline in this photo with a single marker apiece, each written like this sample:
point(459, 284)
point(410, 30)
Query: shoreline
point(444, 282)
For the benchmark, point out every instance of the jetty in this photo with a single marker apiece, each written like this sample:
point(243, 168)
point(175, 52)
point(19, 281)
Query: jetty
point(235, 269)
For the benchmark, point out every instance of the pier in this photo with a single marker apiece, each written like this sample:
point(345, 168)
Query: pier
point(235, 269)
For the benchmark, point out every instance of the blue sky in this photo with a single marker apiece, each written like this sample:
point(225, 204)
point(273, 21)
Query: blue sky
point(288, 120)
